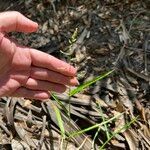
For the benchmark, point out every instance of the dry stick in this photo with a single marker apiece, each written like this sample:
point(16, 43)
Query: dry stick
point(143, 136)
point(139, 75)
point(121, 55)
point(42, 134)
point(30, 106)
point(25, 112)
point(2, 125)
point(145, 54)
point(80, 147)
point(145, 58)
point(74, 112)
point(79, 114)
point(85, 111)
point(83, 102)
point(12, 110)
point(6, 110)
point(20, 117)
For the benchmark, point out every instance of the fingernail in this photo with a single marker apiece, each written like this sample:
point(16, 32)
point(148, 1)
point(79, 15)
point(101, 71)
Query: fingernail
point(45, 100)
point(36, 24)
point(42, 95)
point(78, 82)
point(74, 81)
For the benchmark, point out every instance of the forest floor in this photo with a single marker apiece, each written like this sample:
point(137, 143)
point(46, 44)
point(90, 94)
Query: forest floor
point(110, 35)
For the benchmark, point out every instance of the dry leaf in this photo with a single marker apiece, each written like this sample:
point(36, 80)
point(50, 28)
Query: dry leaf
point(132, 139)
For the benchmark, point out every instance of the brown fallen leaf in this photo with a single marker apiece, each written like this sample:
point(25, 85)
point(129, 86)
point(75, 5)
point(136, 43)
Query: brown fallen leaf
point(131, 138)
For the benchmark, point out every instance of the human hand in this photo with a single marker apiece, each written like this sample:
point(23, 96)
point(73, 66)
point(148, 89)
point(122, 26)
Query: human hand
point(27, 72)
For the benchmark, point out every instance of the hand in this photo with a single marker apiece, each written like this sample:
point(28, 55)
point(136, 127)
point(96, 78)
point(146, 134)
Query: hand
point(27, 72)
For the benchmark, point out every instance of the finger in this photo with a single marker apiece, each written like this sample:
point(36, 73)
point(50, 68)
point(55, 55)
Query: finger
point(15, 21)
point(34, 84)
point(41, 59)
point(32, 94)
point(48, 75)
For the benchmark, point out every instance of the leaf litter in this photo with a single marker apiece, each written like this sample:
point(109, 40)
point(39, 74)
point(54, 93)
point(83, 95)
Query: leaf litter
point(111, 35)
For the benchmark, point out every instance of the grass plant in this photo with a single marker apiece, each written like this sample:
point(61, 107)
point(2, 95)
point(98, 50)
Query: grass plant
point(81, 88)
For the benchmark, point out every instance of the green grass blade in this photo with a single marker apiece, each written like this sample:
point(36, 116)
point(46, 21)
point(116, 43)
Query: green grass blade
point(94, 126)
point(88, 83)
point(59, 119)
point(95, 136)
point(126, 126)
point(103, 118)
point(60, 103)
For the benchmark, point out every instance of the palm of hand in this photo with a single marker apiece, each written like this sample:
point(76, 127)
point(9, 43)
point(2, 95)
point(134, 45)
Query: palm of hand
point(27, 72)
point(15, 67)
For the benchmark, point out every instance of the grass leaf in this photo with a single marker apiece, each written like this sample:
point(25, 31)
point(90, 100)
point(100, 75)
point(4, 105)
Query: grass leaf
point(59, 119)
point(103, 118)
point(60, 104)
point(126, 126)
point(88, 83)
point(94, 126)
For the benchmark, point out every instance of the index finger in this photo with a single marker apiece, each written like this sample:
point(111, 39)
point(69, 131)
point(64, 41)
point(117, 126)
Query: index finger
point(41, 59)
point(15, 21)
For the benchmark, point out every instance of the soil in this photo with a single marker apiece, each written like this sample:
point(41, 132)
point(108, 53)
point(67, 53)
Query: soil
point(110, 35)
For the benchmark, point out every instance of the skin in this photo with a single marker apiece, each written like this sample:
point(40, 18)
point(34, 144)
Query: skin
point(27, 72)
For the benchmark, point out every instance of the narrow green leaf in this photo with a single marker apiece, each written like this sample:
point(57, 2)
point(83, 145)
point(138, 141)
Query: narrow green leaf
point(88, 83)
point(126, 126)
point(59, 119)
point(94, 126)
point(95, 136)
point(105, 125)
point(60, 103)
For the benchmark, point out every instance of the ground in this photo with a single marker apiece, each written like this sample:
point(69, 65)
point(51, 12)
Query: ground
point(111, 35)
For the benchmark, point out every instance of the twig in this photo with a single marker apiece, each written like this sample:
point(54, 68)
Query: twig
point(42, 134)
point(80, 147)
point(84, 102)
point(139, 75)
point(2, 125)
point(120, 56)
point(145, 54)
